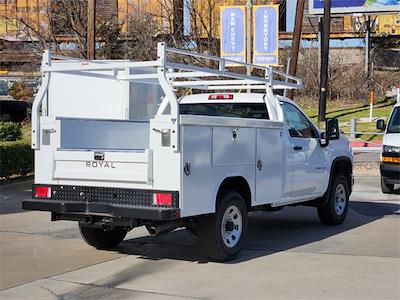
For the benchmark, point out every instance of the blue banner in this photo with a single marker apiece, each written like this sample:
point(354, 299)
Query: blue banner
point(233, 33)
point(265, 33)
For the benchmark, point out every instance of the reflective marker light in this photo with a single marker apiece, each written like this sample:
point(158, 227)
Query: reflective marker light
point(42, 192)
point(162, 199)
point(220, 97)
point(390, 159)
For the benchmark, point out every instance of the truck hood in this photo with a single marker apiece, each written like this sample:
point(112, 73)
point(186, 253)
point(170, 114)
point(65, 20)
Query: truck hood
point(391, 139)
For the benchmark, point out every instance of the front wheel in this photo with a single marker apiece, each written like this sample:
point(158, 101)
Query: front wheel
point(221, 234)
point(386, 188)
point(102, 239)
point(335, 211)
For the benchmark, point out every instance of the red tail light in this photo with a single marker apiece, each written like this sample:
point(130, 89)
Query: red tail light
point(220, 97)
point(42, 192)
point(162, 199)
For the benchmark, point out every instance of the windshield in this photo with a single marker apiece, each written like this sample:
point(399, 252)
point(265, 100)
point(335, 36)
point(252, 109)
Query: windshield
point(394, 122)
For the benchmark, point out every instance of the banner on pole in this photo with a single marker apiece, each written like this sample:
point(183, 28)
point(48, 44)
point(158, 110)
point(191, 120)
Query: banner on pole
point(232, 34)
point(265, 35)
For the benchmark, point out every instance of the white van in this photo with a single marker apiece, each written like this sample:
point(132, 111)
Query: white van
point(390, 153)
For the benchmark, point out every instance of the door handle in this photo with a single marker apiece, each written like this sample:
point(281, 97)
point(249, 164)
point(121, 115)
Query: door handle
point(297, 148)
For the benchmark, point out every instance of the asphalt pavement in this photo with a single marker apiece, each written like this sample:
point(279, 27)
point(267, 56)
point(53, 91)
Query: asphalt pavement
point(287, 255)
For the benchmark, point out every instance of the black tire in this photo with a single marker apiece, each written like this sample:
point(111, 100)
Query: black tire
point(386, 188)
point(210, 228)
point(102, 239)
point(331, 214)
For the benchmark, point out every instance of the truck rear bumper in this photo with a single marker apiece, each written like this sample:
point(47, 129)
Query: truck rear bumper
point(107, 210)
point(104, 201)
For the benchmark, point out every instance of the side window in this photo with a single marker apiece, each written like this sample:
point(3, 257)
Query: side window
point(298, 124)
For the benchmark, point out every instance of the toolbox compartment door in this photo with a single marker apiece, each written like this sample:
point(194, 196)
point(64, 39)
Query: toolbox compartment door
point(135, 166)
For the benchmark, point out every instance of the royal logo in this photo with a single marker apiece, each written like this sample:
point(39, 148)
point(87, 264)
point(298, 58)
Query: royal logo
point(100, 164)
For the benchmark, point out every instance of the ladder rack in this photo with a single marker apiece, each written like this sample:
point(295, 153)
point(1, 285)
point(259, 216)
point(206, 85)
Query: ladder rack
point(170, 75)
point(182, 75)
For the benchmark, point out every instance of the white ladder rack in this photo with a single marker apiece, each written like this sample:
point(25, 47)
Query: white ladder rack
point(169, 75)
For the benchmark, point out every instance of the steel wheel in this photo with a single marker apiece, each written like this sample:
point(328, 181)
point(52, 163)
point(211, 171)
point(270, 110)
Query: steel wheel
point(335, 210)
point(231, 226)
point(221, 234)
point(340, 199)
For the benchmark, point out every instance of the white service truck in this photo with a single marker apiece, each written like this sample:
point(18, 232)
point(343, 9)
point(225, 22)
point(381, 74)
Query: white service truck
point(116, 148)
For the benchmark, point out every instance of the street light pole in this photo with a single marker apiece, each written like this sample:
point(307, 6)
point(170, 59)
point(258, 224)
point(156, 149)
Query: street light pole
point(248, 37)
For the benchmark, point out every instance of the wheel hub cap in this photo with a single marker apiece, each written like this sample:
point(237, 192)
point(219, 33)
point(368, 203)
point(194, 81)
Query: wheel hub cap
point(340, 199)
point(231, 227)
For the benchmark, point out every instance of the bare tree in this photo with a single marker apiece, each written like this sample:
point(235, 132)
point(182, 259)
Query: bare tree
point(66, 21)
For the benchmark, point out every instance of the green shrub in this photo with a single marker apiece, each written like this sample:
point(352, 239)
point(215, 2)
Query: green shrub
point(16, 158)
point(10, 131)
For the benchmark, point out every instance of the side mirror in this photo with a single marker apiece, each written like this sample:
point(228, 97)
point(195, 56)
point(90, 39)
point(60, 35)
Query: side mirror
point(332, 132)
point(332, 129)
point(380, 124)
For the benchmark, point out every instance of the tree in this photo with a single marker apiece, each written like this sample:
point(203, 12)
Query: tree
point(21, 91)
point(66, 21)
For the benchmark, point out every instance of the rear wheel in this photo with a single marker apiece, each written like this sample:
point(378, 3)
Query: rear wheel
point(102, 239)
point(335, 211)
point(386, 188)
point(221, 234)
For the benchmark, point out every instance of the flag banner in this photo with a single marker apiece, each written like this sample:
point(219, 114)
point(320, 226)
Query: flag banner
point(232, 34)
point(265, 35)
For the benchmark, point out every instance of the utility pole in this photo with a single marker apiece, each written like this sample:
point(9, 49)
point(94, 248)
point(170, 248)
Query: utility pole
point(91, 27)
point(323, 82)
point(296, 41)
point(367, 44)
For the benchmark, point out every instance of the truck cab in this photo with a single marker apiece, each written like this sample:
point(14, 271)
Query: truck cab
point(114, 160)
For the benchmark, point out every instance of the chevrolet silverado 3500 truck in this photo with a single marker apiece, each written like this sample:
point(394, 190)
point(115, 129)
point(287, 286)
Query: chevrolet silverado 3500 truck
point(116, 148)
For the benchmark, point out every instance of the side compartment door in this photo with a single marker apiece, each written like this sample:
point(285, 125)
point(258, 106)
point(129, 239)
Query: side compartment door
point(269, 165)
point(196, 170)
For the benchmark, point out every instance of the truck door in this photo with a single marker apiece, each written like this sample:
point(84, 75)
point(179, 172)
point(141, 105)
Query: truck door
point(305, 161)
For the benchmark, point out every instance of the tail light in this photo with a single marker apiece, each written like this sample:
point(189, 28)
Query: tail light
point(220, 97)
point(162, 199)
point(42, 192)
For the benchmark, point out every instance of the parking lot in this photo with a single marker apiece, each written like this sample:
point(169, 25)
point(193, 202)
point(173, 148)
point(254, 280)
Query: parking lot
point(288, 255)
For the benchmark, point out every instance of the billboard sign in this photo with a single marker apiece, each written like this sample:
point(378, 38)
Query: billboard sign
point(316, 7)
point(232, 33)
point(265, 34)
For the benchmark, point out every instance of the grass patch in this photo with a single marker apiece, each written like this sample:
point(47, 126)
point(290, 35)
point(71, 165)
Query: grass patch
point(344, 115)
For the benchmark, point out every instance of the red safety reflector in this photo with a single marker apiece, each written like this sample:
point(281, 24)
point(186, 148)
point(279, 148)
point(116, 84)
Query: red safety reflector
point(42, 192)
point(162, 199)
point(220, 97)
